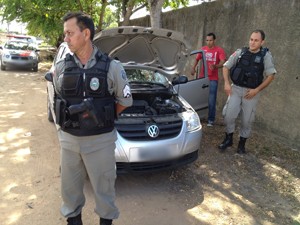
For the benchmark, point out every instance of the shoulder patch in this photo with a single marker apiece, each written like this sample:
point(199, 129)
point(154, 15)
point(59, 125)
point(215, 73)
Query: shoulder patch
point(123, 75)
point(238, 51)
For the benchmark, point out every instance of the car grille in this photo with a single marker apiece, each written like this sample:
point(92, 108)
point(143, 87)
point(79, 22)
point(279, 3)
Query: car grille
point(156, 166)
point(139, 131)
point(19, 58)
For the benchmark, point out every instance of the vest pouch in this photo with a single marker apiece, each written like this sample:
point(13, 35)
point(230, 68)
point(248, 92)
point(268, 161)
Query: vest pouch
point(60, 116)
point(71, 85)
point(245, 62)
point(106, 111)
point(235, 75)
point(109, 113)
point(251, 80)
point(101, 115)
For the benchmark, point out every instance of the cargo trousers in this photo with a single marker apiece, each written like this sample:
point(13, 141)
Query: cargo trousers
point(88, 158)
point(237, 104)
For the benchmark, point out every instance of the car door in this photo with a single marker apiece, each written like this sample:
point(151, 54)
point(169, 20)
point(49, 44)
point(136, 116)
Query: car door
point(196, 90)
point(61, 53)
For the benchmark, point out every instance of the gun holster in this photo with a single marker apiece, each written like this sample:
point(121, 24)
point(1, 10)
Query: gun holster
point(87, 114)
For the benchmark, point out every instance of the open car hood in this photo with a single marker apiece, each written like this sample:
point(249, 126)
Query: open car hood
point(161, 49)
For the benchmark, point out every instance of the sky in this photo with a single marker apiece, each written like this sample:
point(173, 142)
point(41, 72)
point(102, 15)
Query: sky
point(13, 27)
point(143, 12)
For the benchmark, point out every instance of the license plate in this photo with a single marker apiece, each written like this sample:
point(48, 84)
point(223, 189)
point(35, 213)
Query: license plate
point(154, 154)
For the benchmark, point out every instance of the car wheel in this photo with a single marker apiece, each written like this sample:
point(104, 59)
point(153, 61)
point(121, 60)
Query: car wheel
point(3, 67)
point(50, 117)
point(36, 68)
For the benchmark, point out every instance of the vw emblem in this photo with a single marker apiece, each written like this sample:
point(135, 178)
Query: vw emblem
point(153, 131)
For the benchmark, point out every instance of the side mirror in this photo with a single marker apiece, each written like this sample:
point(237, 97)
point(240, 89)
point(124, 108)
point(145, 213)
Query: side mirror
point(180, 80)
point(49, 76)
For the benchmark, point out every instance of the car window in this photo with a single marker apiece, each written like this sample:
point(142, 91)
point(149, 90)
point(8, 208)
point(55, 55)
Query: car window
point(142, 75)
point(201, 68)
point(18, 45)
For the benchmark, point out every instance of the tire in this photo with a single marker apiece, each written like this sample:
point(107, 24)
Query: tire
point(36, 68)
point(49, 114)
point(3, 67)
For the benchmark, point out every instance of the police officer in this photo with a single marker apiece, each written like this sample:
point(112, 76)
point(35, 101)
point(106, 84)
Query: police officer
point(91, 90)
point(246, 67)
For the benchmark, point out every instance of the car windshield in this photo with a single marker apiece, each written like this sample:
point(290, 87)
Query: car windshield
point(18, 45)
point(148, 76)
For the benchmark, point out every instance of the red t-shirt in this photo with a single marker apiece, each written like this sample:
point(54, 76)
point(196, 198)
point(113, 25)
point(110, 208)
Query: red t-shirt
point(213, 56)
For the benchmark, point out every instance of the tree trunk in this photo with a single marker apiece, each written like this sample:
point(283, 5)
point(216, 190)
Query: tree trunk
point(101, 16)
point(155, 12)
point(127, 16)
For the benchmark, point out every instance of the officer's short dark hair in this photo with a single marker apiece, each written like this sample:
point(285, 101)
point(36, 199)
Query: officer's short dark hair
point(262, 33)
point(84, 21)
point(212, 34)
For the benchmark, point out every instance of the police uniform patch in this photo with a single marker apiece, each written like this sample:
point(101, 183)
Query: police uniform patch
point(123, 75)
point(94, 84)
point(126, 91)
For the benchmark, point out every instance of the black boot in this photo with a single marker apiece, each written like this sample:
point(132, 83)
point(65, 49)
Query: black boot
point(241, 147)
point(227, 142)
point(75, 220)
point(105, 221)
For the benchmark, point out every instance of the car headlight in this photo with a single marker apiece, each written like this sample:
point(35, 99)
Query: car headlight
point(192, 119)
point(6, 55)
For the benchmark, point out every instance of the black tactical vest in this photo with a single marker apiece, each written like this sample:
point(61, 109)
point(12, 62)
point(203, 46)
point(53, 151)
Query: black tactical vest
point(249, 69)
point(85, 106)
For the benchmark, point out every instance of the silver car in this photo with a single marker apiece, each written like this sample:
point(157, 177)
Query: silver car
point(19, 54)
point(161, 129)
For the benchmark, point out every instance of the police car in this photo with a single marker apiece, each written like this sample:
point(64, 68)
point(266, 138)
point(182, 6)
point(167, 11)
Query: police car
point(162, 128)
point(19, 54)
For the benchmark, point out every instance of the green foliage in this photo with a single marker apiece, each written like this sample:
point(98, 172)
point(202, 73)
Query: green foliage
point(175, 4)
point(43, 17)
point(110, 19)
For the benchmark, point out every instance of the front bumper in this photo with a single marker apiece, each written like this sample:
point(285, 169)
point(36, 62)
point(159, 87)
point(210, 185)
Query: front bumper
point(19, 63)
point(140, 156)
point(137, 167)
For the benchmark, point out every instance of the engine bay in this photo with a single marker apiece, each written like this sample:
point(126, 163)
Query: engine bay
point(152, 105)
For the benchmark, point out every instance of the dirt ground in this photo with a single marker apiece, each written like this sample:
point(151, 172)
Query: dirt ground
point(261, 187)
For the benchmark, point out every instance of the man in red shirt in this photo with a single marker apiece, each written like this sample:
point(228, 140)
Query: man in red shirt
point(215, 58)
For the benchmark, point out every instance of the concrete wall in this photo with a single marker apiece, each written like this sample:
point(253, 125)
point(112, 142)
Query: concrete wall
point(232, 21)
